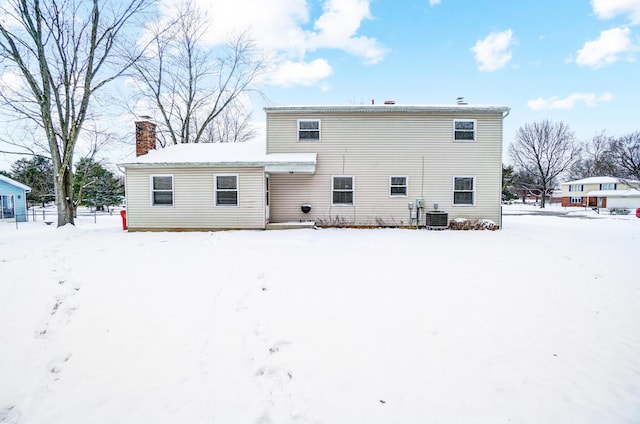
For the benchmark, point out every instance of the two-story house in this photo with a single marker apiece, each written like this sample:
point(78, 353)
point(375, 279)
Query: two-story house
point(355, 165)
point(601, 192)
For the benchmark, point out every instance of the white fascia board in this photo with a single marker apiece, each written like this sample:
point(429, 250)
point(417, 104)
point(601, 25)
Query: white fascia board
point(15, 183)
point(388, 109)
point(286, 163)
point(238, 164)
point(291, 168)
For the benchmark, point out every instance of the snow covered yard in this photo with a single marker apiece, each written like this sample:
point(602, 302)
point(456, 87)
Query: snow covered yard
point(537, 323)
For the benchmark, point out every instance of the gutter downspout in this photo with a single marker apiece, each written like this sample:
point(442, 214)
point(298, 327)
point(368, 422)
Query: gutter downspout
point(504, 115)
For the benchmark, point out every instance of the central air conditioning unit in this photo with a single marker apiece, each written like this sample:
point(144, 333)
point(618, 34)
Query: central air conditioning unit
point(436, 220)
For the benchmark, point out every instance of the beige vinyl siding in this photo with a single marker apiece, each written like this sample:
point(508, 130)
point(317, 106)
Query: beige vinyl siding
point(193, 200)
point(371, 147)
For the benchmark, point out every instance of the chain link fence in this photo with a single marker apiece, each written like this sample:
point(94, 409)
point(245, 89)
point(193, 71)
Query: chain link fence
point(49, 216)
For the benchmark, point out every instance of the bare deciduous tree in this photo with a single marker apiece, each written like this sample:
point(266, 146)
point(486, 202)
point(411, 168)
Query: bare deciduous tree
point(625, 151)
point(196, 88)
point(63, 52)
point(527, 184)
point(232, 125)
point(544, 151)
point(596, 160)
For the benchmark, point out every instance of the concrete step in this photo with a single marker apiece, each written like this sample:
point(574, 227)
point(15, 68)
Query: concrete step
point(290, 225)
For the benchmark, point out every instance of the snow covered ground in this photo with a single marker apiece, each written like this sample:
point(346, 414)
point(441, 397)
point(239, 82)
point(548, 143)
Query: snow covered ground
point(537, 323)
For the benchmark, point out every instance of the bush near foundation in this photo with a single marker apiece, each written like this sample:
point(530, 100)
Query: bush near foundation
point(466, 224)
point(485, 224)
point(460, 224)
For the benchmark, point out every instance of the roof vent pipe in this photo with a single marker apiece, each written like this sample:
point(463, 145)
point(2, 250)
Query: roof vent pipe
point(389, 102)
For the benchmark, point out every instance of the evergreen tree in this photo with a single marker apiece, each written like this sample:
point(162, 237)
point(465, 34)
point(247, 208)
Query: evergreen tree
point(96, 186)
point(37, 173)
point(508, 182)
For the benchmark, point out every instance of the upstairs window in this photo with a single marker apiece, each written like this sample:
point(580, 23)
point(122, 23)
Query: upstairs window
point(609, 186)
point(576, 187)
point(162, 190)
point(308, 130)
point(464, 130)
point(463, 190)
point(342, 190)
point(397, 186)
point(226, 189)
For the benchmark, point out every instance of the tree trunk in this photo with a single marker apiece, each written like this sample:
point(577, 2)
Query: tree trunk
point(64, 196)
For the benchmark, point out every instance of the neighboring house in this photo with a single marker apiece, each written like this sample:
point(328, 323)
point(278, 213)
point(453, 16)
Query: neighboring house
point(13, 199)
point(601, 192)
point(344, 165)
point(556, 196)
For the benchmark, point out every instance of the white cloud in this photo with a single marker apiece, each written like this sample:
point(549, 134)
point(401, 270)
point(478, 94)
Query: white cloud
point(338, 26)
point(274, 24)
point(288, 74)
point(286, 31)
point(434, 2)
point(492, 53)
point(569, 102)
point(607, 9)
point(606, 49)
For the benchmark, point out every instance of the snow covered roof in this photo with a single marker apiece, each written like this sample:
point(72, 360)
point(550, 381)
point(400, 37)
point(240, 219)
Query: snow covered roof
point(388, 108)
point(251, 153)
point(14, 183)
point(598, 180)
point(614, 193)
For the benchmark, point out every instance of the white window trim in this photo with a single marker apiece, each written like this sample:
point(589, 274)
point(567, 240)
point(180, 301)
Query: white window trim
point(151, 190)
point(406, 186)
point(576, 199)
point(576, 188)
point(215, 190)
point(475, 130)
point(307, 140)
point(453, 193)
point(353, 190)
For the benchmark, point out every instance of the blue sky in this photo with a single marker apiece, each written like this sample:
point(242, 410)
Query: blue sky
point(571, 60)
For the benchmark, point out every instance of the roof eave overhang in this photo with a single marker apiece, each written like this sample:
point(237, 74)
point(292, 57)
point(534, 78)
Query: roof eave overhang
point(237, 164)
point(291, 168)
point(294, 167)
